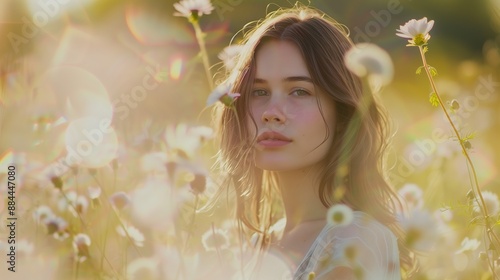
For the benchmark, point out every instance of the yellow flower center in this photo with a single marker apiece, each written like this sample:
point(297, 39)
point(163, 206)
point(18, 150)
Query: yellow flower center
point(419, 40)
point(338, 217)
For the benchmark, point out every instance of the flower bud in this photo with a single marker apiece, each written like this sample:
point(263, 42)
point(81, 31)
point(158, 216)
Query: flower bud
point(199, 184)
point(467, 144)
point(455, 105)
point(483, 256)
point(58, 183)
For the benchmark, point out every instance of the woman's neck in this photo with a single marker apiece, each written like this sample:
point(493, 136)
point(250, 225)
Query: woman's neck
point(299, 191)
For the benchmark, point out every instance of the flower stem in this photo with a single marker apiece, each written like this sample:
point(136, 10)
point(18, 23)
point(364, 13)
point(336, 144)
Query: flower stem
point(204, 55)
point(490, 233)
point(192, 222)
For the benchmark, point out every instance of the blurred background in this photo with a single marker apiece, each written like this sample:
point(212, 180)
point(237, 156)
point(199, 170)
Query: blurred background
point(133, 62)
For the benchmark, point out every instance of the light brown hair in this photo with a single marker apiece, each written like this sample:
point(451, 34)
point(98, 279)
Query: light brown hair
point(352, 172)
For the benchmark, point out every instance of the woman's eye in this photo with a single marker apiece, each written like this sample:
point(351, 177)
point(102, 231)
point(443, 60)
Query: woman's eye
point(300, 92)
point(259, 92)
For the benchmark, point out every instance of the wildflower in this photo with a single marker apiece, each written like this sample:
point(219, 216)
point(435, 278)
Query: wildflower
point(491, 202)
point(367, 59)
point(454, 105)
point(221, 93)
point(58, 183)
point(350, 252)
point(120, 200)
point(135, 235)
point(186, 140)
point(81, 205)
point(57, 227)
point(68, 199)
point(421, 230)
point(24, 248)
point(468, 245)
point(154, 162)
point(443, 215)
point(339, 215)
point(94, 192)
point(74, 203)
point(199, 184)
point(413, 196)
point(154, 205)
point(81, 243)
point(81, 151)
point(42, 213)
point(215, 239)
point(143, 268)
point(203, 132)
point(229, 56)
point(417, 31)
point(193, 9)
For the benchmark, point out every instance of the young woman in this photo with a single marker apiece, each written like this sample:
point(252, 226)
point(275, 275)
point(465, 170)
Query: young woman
point(305, 136)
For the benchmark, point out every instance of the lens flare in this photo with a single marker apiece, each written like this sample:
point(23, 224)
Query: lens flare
point(91, 142)
point(43, 11)
point(79, 91)
point(6, 159)
point(176, 68)
point(151, 29)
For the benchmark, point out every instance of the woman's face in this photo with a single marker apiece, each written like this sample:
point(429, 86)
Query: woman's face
point(284, 105)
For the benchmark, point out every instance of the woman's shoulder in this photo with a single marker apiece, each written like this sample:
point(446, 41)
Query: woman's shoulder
point(364, 244)
point(362, 226)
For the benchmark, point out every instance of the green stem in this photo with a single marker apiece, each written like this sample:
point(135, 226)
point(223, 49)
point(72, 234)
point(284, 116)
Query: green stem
point(204, 55)
point(118, 218)
point(192, 222)
point(77, 264)
point(490, 232)
point(106, 232)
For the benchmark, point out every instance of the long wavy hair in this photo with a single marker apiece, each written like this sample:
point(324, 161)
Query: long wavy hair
point(352, 172)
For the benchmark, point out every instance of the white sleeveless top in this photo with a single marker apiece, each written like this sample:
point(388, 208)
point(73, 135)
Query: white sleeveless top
point(365, 245)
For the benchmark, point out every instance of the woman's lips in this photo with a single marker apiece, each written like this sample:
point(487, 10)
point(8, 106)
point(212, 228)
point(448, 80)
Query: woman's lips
point(270, 143)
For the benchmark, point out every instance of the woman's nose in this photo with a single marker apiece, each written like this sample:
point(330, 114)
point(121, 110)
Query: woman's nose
point(274, 114)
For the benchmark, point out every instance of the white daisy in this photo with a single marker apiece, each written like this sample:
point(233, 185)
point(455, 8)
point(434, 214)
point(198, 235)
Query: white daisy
point(339, 215)
point(81, 205)
point(135, 235)
point(412, 195)
point(120, 200)
point(221, 93)
point(24, 248)
point(186, 139)
point(143, 268)
point(81, 243)
point(229, 55)
point(370, 60)
point(195, 8)
point(215, 239)
point(468, 245)
point(417, 31)
point(154, 162)
point(420, 229)
point(57, 227)
point(94, 192)
point(42, 213)
point(491, 202)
